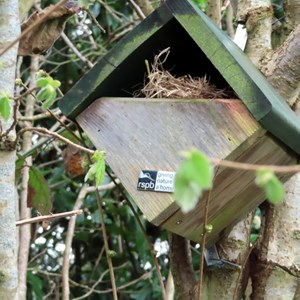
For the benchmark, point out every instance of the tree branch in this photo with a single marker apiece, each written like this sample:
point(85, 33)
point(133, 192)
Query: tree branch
point(281, 67)
point(49, 217)
point(70, 233)
point(55, 135)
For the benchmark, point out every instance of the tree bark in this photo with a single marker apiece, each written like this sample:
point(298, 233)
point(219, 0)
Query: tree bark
point(25, 212)
point(257, 15)
point(182, 268)
point(226, 282)
point(214, 11)
point(292, 14)
point(277, 269)
point(9, 30)
point(281, 67)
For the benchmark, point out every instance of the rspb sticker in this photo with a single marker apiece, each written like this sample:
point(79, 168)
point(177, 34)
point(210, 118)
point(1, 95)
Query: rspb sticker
point(156, 181)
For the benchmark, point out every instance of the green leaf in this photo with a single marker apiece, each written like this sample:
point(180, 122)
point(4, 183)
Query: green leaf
point(36, 284)
point(272, 186)
point(43, 81)
point(192, 177)
point(49, 100)
point(42, 94)
point(4, 106)
point(38, 192)
point(55, 83)
point(48, 91)
point(197, 168)
point(97, 169)
point(48, 95)
point(253, 237)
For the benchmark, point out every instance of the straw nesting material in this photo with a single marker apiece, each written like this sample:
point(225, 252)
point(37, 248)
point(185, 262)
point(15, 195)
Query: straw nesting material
point(162, 84)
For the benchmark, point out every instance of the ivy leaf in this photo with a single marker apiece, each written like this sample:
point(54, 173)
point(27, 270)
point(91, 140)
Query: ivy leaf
point(38, 192)
point(4, 106)
point(97, 169)
point(272, 186)
point(192, 177)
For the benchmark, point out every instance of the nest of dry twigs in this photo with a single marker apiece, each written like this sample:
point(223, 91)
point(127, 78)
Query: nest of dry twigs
point(162, 84)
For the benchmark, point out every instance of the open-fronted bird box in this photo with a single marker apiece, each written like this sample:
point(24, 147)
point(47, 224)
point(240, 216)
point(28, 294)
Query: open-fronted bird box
point(148, 134)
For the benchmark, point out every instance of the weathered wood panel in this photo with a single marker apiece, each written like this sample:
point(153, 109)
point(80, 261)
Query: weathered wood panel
point(142, 134)
point(234, 194)
point(149, 134)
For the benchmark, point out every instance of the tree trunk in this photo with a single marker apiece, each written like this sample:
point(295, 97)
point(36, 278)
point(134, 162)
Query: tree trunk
point(257, 15)
point(9, 30)
point(25, 212)
point(276, 268)
point(214, 11)
point(181, 267)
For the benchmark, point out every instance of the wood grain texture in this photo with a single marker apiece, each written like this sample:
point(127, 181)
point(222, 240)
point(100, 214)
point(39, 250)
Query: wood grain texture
point(149, 134)
point(234, 195)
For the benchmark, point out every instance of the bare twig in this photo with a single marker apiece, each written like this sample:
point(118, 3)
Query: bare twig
point(107, 250)
point(68, 244)
point(94, 20)
point(138, 10)
point(49, 217)
point(70, 233)
point(93, 290)
point(55, 135)
point(203, 243)
point(146, 237)
point(254, 167)
point(75, 50)
point(44, 115)
point(111, 11)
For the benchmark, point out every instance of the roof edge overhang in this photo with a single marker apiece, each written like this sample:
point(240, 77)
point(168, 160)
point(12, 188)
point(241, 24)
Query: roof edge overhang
point(262, 100)
point(265, 104)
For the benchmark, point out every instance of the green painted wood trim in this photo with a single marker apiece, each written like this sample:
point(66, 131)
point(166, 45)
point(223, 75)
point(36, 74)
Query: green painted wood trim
point(96, 82)
point(266, 105)
point(262, 100)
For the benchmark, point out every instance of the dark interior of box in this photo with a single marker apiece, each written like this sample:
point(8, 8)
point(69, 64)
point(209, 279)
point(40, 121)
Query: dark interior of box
point(185, 58)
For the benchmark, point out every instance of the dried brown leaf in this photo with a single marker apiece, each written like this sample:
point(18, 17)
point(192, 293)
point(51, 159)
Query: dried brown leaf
point(73, 161)
point(43, 36)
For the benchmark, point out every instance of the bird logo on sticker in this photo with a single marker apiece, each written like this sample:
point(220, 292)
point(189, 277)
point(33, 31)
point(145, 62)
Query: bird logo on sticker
point(146, 175)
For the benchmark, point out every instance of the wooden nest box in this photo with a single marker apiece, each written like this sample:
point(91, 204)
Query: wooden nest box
point(148, 134)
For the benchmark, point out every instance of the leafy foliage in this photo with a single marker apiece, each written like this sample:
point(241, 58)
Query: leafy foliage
point(192, 177)
point(48, 91)
point(4, 106)
point(38, 192)
point(97, 169)
point(272, 186)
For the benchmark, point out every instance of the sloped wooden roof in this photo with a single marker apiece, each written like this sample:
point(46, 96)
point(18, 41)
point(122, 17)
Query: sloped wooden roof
point(198, 48)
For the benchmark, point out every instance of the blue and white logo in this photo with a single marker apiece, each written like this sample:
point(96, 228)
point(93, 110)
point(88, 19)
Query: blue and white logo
point(157, 181)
